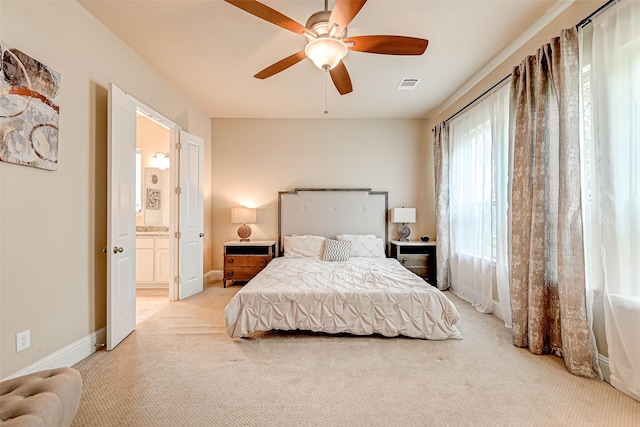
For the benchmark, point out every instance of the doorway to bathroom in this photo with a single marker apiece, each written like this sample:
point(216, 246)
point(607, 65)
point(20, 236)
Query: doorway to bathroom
point(153, 209)
point(186, 221)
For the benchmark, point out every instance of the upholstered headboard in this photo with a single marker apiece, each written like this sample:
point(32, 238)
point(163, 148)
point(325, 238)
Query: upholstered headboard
point(328, 212)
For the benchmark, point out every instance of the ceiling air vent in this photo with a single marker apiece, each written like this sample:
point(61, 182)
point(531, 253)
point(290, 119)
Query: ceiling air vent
point(408, 84)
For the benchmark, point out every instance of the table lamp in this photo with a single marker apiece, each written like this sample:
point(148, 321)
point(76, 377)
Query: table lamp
point(403, 216)
point(243, 216)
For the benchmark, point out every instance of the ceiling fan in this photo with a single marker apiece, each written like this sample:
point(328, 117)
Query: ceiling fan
point(327, 41)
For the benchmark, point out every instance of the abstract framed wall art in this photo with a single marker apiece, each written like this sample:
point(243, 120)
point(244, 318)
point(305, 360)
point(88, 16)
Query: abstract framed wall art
point(29, 113)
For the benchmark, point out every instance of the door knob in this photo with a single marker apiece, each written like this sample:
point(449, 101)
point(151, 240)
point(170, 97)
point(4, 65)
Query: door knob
point(117, 249)
point(201, 234)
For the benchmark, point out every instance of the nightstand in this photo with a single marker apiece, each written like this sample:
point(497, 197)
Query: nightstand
point(243, 260)
point(417, 256)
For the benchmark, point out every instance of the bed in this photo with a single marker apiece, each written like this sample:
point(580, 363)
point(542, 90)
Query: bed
point(332, 275)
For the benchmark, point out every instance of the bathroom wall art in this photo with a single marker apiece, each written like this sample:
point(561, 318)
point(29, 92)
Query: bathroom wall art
point(153, 199)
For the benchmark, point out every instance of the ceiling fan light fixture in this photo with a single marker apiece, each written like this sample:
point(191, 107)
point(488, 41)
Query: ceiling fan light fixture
point(326, 52)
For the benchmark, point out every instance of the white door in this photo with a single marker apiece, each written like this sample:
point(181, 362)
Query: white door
point(191, 213)
point(121, 220)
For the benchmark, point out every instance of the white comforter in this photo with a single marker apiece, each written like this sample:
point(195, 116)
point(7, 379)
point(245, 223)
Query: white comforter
point(361, 296)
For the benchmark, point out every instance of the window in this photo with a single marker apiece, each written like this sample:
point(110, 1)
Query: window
point(478, 153)
point(478, 175)
point(473, 199)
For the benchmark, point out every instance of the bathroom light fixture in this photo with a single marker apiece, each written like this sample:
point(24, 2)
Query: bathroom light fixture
point(160, 160)
point(243, 216)
point(403, 215)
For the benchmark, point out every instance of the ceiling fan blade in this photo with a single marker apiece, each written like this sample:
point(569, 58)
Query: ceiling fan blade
point(265, 12)
point(281, 65)
point(341, 79)
point(388, 45)
point(344, 11)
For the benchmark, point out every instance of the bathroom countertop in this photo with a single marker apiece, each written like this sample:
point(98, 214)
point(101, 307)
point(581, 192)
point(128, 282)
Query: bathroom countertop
point(152, 230)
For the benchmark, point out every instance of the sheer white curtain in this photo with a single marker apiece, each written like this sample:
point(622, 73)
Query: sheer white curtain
point(615, 89)
point(478, 157)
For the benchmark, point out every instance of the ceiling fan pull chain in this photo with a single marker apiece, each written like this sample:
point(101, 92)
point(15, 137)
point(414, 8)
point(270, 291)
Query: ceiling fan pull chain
point(326, 83)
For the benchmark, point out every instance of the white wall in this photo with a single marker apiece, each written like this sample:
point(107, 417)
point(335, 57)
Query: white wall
point(253, 159)
point(53, 224)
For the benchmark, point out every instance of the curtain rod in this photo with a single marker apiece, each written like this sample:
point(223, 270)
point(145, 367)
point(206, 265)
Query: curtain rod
point(502, 80)
point(580, 24)
point(588, 19)
point(477, 98)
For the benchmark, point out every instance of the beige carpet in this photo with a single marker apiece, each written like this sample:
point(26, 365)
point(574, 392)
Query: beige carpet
point(179, 368)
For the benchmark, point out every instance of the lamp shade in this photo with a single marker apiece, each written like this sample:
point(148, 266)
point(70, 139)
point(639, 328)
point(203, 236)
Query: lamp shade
point(243, 215)
point(404, 215)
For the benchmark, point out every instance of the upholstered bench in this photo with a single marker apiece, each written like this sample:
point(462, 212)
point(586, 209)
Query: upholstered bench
point(44, 399)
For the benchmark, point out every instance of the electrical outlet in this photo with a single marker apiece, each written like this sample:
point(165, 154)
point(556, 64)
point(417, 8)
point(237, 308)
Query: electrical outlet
point(23, 340)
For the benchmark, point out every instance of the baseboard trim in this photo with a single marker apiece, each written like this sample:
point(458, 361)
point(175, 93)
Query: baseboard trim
point(604, 367)
point(497, 310)
point(66, 356)
point(212, 276)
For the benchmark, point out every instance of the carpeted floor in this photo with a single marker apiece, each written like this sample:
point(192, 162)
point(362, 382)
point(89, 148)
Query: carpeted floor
point(180, 368)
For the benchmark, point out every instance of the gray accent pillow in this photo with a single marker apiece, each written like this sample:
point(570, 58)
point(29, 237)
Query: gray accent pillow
point(336, 250)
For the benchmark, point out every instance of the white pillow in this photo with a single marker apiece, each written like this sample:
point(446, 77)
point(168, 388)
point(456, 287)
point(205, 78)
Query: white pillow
point(368, 246)
point(303, 246)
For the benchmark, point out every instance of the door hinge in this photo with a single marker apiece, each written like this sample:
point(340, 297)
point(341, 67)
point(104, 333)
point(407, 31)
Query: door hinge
point(178, 190)
point(178, 145)
point(178, 235)
point(177, 280)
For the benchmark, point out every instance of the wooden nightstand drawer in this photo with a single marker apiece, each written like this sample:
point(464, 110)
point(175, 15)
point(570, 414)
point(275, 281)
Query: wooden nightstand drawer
point(243, 260)
point(420, 271)
point(231, 261)
point(241, 274)
point(413, 260)
point(418, 257)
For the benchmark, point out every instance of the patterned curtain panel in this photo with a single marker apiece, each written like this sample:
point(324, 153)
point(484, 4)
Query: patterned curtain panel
point(548, 292)
point(441, 168)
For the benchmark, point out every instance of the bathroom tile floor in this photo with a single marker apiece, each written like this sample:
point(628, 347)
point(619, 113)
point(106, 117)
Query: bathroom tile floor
point(149, 301)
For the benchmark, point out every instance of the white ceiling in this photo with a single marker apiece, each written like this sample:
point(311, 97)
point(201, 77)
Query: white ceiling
point(211, 50)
